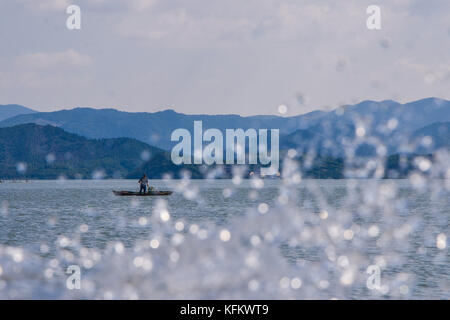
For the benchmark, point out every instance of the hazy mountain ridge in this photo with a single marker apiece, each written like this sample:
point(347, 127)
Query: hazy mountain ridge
point(431, 137)
point(329, 132)
point(153, 128)
point(12, 110)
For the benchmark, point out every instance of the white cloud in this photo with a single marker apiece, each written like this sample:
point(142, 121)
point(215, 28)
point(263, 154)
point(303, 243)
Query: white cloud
point(46, 5)
point(219, 56)
point(142, 4)
point(53, 60)
point(50, 72)
point(61, 5)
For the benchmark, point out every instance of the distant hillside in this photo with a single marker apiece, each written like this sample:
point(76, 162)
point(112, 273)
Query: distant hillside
point(390, 122)
point(410, 116)
point(438, 132)
point(46, 152)
point(152, 128)
point(12, 110)
point(321, 139)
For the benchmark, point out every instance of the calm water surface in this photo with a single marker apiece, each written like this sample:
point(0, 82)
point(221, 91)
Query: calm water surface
point(37, 213)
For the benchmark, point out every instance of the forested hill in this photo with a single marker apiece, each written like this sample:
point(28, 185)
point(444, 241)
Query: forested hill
point(47, 152)
point(31, 151)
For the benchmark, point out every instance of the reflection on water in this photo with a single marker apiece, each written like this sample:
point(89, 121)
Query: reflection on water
point(226, 239)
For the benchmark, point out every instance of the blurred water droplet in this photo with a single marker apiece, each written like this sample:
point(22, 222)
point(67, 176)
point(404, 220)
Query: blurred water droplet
point(282, 109)
point(441, 241)
point(21, 167)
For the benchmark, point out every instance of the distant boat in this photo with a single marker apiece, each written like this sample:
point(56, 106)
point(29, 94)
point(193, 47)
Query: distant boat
point(150, 193)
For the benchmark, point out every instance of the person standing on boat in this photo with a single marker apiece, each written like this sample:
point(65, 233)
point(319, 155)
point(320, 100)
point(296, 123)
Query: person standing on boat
point(143, 181)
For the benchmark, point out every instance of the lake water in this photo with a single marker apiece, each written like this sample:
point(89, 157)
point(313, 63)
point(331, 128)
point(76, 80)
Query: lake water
point(226, 239)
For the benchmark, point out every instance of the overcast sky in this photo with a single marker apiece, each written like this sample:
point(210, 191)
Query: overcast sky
point(222, 56)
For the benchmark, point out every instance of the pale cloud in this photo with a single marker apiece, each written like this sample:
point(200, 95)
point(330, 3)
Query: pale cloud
point(182, 23)
point(142, 4)
point(46, 5)
point(53, 81)
point(231, 56)
point(61, 5)
point(53, 60)
point(431, 72)
point(49, 72)
point(175, 23)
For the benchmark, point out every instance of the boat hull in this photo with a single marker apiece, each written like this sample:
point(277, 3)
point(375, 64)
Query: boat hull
point(148, 194)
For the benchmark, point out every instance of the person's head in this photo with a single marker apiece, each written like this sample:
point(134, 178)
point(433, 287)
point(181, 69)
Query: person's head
point(144, 175)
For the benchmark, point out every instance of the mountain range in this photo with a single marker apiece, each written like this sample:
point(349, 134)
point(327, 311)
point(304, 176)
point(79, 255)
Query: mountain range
point(31, 151)
point(390, 123)
point(46, 152)
point(86, 142)
point(12, 110)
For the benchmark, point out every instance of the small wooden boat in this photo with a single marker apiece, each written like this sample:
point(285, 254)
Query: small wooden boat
point(150, 193)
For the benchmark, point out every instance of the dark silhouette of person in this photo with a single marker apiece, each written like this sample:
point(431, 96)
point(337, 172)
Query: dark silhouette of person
point(143, 181)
